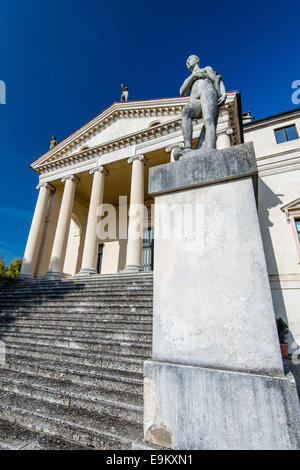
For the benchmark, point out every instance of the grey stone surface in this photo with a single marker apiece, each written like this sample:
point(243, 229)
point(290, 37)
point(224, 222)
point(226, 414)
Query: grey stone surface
point(214, 410)
point(203, 167)
point(207, 91)
point(75, 349)
point(212, 304)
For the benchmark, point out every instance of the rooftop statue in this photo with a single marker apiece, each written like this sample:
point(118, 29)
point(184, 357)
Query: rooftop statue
point(207, 94)
point(124, 96)
point(53, 142)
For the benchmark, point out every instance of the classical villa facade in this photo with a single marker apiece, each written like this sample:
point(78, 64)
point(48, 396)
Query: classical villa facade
point(110, 157)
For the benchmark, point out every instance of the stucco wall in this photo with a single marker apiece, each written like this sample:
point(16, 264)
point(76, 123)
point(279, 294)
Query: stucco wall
point(279, 170)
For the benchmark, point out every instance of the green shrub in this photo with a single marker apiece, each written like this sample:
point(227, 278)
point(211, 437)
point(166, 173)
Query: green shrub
point(282, 329)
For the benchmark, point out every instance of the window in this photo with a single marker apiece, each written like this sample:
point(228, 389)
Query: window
point(297, 222)
point(154, 123)
point(286, 134)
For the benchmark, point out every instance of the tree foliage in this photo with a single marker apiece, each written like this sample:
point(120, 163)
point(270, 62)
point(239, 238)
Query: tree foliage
point(12, 270)
point(282, 329)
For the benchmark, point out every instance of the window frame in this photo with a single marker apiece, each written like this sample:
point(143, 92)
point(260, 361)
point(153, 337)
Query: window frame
point(285, 133)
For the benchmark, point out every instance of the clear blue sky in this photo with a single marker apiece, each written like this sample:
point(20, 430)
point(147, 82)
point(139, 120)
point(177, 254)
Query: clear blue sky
point(63, 62)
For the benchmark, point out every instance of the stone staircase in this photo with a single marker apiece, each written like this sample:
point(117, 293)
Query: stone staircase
point(75, 348)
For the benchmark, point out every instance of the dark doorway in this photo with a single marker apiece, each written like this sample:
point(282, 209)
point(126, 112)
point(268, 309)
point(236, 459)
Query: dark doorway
point(99, 260)
point(148, 250)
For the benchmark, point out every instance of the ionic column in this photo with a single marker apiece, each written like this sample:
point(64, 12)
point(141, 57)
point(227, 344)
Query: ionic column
point(136, 217)
point(36, 231)
point(89, 258)
point(63, 225)
point(224, 139)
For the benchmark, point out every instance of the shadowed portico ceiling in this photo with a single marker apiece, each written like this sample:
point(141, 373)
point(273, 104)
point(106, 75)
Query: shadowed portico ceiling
point(120, 126)
point(118, 181)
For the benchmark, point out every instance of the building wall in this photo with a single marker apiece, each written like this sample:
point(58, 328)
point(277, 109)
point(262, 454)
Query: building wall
point(279, 184)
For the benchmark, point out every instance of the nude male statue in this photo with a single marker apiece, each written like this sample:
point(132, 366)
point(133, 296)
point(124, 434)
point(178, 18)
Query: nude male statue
point(207, 94)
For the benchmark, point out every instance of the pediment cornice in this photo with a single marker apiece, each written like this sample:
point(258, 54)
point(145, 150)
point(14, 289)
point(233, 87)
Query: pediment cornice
point(68, 151)
point(291, 208)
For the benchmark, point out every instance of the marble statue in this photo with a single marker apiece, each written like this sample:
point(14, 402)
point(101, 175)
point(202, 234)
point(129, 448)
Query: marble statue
point(124, 96)
point(53, 142)
point(207, 94)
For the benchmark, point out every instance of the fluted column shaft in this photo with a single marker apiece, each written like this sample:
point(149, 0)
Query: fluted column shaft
point(63, 226)
point(89, 259)
point(36, 231)
point(135, 243)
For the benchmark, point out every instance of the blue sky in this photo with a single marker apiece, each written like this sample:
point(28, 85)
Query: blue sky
point(63, 62)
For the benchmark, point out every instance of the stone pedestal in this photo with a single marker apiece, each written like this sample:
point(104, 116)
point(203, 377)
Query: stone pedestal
point(216, 380)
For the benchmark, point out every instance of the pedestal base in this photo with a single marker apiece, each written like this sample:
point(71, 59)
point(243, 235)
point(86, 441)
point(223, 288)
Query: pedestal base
point(132, 269)
point(25, 277)
point(193, 408)
point(53, 275)
point(86, 272)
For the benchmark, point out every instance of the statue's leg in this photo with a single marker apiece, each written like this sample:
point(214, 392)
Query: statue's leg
point(201, 138)
point(209, 101)
point(190, 111)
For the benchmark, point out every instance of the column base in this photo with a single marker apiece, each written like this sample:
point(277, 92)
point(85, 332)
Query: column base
point(53, 275)
point(195, 408)
point(132, 268)
point(25, 276)
point(86, 272)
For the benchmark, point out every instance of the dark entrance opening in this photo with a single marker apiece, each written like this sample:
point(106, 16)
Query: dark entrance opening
point(99, 259)
point(148, 250)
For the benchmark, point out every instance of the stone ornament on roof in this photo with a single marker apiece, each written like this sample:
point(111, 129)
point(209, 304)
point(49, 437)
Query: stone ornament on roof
point(124, 96)
point(207, 94)
point(53, 142)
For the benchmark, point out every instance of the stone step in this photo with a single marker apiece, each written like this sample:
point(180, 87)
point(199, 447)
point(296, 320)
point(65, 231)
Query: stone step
point(84, 427)
point(78, 332)
point(78, 284)
point(92, 398)
point(109, 379)
point(120, 347)
point(71, 303)
point(14, 437)
point(75, 350)
point(65, 321)
point(90, 294)
point(71, 356)
point(100, 315)
point(79, 307)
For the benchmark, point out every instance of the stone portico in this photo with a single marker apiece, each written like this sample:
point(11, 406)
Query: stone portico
point(104, 160)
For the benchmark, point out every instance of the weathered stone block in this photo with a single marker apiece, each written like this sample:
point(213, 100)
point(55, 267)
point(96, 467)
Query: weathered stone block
point(204, 167)
point(209, 409)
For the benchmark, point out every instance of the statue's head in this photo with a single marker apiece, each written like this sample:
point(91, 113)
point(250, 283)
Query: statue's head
point(53, 137)
point(192, 61)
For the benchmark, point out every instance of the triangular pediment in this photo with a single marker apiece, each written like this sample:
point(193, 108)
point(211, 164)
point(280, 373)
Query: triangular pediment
point(123, 125)
point(293, 205)
point(291, 209)
point(119, 121)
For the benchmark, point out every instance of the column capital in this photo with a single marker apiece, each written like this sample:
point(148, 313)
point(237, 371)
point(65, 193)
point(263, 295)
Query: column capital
point(138, 157)
point(45, 185)
point(101, 169)
point(225, 131)
point(70, 177)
